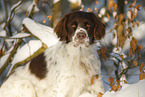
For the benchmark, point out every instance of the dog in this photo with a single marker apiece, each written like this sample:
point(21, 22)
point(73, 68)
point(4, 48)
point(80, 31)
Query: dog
point(70, 68)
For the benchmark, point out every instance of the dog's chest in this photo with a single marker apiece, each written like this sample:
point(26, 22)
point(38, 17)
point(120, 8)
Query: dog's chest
point(70, 79)
point(70, 72)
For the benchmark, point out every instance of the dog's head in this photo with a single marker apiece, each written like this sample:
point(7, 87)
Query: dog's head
point(80, 28)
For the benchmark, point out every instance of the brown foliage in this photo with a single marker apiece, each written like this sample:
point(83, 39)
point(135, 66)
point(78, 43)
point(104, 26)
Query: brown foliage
point(94, 78)
point(135, 62)
point(110, 80)
point(103, 52)
point(99, 94)
point(141, 66)
point(142, 75)
point(112, 4)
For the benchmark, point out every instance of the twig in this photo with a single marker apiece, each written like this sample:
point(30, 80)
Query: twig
point(6, 10)
point(10, 56)
point(12, 14)
point(124, 71)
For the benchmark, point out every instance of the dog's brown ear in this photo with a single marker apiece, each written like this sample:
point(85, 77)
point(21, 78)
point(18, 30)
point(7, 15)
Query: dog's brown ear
point(60, 29)
point(99, 28)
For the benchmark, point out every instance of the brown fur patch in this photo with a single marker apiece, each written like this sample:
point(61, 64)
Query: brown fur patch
point(38, 66)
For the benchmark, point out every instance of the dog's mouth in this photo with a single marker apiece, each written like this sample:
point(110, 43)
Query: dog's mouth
point(81, 40)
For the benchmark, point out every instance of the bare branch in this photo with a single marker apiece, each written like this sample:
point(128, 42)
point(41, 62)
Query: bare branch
point(9, 19)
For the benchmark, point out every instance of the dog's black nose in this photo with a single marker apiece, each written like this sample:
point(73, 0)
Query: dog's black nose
point(81, 35)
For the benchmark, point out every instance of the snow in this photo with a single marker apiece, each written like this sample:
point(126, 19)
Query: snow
point(3, 59)
point(31, 7)
point(16, 5)
point(129, 90)
point(75, 1)
point(20, 35)
point(139, 32)
point(106, 19)
point(3, 33)
point(114, 14)
point(102, 11)
point(55, 1)
point(44, 33)
point(26, 51)
point(71, 1)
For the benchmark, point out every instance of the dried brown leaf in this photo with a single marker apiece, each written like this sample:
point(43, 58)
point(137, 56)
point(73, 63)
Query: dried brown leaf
point(115, 6)
point(92, 80)
point(96, 76)
point(110, 80)
point(142, 75)
point(130, 53)
point(2, 52)
point(135, 62)
point(44, 21)
point(133, 43)
point(36, 1)
point(114, 35)
point(141, 66)
point(49, 17)
point(139, 47)
point(103, 51)
point(137, 7)
point(108, 16)
point(115, 87)
point(121, 56)
point(99, 94)
point(97, 2)
point(115, 25)
point(137, 23)
point(110, 4)
point(133, 24)
point(27, 13)
point(111, 30)
point(89, 10)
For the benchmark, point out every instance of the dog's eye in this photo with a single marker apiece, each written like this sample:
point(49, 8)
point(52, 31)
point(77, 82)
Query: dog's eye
point(88, 25)
point(73, 25)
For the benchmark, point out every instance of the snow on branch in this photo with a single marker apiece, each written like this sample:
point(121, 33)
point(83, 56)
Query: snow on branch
point(44, 33)
point(27, 52)
point(32, 8)
point(17, 36)
point(11, 15)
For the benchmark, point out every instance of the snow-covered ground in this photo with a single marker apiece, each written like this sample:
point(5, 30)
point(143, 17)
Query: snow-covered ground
point(129, 90)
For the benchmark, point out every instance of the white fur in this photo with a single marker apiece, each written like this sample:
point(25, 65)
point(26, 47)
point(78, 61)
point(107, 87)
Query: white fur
point(69, 74)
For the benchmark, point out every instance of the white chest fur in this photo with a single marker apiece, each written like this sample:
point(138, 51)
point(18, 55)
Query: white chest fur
point(70, 69)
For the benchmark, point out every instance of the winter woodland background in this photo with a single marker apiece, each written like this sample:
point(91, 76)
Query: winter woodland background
point(24, 34)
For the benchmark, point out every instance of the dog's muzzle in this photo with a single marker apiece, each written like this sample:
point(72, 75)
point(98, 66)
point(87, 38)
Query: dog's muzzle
point(81, 37)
